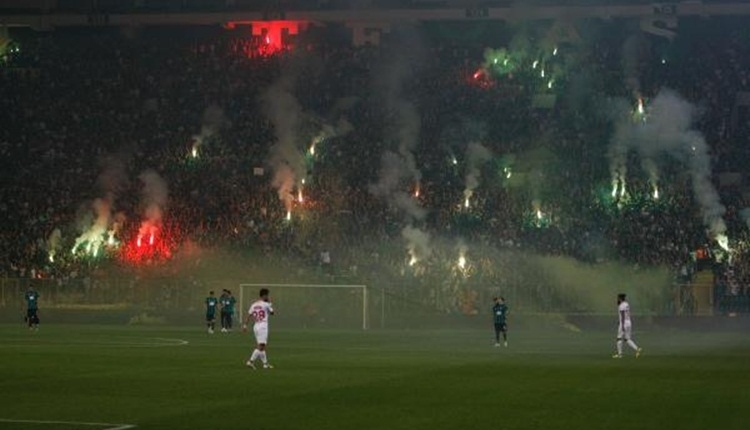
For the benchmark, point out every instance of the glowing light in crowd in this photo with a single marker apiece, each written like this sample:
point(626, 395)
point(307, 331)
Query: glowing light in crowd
point(505, 62)
point(454, 161)
point(417, 189)
point(478, 74)
point(549, 84)
point(462, 262)
point(534, 64)
point(539, 214)
point(300, 197)
point(641, 109)
point(723, 241)
point(466, 202)
point(542, 73)
point(656, 192)
point(615, 183)
point(288, 215)
point(52, 256)
point(554, 52)
point(508, 172)
point(151, 246)
point(413, 259)
point(194, 152)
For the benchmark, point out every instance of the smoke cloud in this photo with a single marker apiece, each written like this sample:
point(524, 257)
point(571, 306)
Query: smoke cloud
point(154, 201)
point(212, 122)
point(668, 130)
point(286, 159)
point(476, 155)
point(97, 230)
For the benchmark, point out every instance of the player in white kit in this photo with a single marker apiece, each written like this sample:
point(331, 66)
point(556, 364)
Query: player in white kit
point(625, 328)
point(259, 312)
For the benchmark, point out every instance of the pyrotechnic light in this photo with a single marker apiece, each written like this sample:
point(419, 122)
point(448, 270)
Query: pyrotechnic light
point(138, 242)
point(622, 189)
point(614, 188)
point(51, 257)
point(494, 61)
point(554, 52)
point(453, 159)
point(151, 239)
point(534, 64)
point(508, 172)
point(194, 152)
point(466, 202)
point(111, 238)
point(477, 74)
point(542, 73)
point(723, 241)
point(417, 189)
point(461, 262)
point(288, 215)
point(413, 260)
point(656, 192)
point(300, 197)
point(539, 214)
point(505, 62)
point(641, 110)
point(549, 84)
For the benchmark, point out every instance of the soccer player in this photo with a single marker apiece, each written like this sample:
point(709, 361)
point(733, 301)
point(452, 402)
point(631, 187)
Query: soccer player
point(499, 312)
point(625, 328)
point(259, 312)
point(211, 304)
point(227, 311)
point(32, 308)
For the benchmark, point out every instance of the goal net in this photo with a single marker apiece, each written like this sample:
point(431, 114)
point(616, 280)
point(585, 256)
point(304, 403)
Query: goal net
point(313, 305)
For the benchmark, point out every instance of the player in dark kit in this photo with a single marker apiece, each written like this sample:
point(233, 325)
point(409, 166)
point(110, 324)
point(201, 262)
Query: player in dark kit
point(32, 309)
point(499, 312)
point(227, 301)
point(211, 304)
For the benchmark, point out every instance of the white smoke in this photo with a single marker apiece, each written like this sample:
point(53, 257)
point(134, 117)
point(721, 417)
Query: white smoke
point(97, 230)
point(54, 244)
point(417, 244)
point(398, 169)
point(94, 236)
point(328, 131)
point(212, 122)
point(154, 196)
point(476, 155)
point(286, 159)
point(669, 131)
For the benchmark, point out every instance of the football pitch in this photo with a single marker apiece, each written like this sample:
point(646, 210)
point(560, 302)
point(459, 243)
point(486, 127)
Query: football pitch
point(114, 377)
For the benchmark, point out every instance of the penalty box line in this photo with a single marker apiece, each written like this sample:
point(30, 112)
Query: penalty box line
point(105, 426)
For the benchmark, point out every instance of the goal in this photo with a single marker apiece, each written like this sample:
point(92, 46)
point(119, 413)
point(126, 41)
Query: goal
point(314, 304)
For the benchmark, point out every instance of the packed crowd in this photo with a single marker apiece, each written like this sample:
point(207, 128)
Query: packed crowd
point(86, 111)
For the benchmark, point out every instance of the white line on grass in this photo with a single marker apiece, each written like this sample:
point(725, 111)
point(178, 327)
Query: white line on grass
point(142, 342)
point(106, 426)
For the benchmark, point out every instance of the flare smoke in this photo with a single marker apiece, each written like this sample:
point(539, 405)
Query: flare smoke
point(154, 202)
point(286, 159)
point(476, 155)
point(669, 131)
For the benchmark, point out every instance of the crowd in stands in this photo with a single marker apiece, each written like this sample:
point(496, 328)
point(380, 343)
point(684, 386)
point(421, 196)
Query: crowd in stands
point(86, 111)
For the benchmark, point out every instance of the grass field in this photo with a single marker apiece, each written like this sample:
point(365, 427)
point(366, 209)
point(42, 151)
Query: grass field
point(179, 378)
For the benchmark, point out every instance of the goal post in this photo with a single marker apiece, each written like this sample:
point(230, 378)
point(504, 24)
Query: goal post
point(249, 293)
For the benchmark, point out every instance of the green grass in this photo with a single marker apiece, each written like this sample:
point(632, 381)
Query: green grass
point(547, 379)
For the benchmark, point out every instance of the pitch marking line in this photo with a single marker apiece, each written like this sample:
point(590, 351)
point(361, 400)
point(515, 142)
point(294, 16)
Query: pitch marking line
point(105, 426)
point(135, 343)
